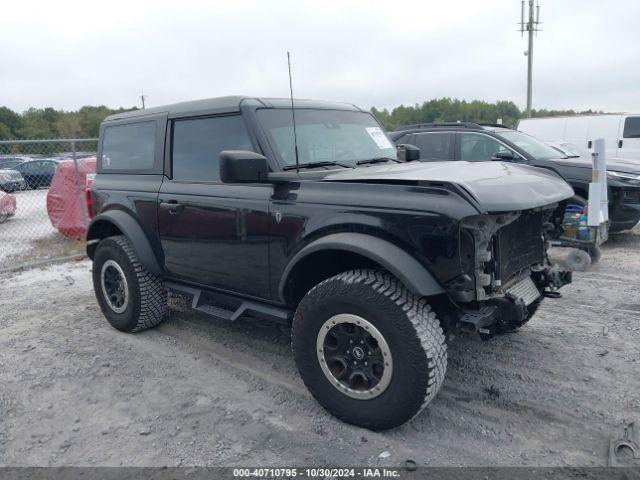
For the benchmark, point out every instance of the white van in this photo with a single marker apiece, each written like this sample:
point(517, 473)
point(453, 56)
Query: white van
point(620, 131)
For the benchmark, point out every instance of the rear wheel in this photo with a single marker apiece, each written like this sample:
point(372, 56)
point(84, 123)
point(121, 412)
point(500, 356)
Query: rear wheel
point(369, 351)
point(130, 297)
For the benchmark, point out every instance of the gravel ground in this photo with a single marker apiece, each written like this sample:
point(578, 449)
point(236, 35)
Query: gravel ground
point(74, 391)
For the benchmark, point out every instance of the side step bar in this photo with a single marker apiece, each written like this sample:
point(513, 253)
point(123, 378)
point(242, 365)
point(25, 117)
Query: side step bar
point(269, 312)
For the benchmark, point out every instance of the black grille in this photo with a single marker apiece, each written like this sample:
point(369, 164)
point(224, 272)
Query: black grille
point(520, 244)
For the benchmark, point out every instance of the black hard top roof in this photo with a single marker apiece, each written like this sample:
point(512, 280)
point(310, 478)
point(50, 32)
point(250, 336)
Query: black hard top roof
point(229, 104)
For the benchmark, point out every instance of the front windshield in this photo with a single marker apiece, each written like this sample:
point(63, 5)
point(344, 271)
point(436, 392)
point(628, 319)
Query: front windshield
point(341, 136)
point(531, 145)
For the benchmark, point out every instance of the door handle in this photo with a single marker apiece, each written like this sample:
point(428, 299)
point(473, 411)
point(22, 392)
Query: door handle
point(619, 143)
point(172, 205)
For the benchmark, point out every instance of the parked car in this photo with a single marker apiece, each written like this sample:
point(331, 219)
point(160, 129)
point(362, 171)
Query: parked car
point(37, 173)
point(7, 206)
point(370, 259)
point(472, 142)
point(11, 180)
point(11, 161)
point(621, 132)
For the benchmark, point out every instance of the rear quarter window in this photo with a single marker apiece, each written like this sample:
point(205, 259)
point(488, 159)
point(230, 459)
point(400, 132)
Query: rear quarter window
point(129, 146)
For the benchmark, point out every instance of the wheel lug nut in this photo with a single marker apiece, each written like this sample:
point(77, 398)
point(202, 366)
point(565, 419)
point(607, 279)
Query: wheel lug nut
point(361, 342)
point(351, 341)
point(365, 364)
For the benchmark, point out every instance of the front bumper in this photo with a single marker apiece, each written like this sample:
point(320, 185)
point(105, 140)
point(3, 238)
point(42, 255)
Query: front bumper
point(519, 303)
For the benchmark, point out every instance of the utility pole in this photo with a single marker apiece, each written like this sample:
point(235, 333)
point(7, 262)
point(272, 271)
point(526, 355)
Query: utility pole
point(143, 98)
point(531, 27)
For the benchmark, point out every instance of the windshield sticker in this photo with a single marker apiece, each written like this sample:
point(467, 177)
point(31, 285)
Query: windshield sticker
point(379, 137)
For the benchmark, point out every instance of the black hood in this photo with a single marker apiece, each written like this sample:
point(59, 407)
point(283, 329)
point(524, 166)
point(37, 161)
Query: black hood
point(496, 186)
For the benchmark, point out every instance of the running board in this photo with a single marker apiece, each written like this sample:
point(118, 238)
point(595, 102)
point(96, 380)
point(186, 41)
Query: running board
point(276, 314)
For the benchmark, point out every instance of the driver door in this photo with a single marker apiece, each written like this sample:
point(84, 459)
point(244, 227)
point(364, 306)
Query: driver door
point(213, 233)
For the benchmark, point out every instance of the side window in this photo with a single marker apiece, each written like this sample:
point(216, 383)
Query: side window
point(197, 145)
point(476, 147)
point(435, 146)
point(129, 147)
point(631, 127)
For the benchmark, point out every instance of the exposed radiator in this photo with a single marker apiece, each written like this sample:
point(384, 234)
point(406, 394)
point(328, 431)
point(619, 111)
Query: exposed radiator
point(520, 244)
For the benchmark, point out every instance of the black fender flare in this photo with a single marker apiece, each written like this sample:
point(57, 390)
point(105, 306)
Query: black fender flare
point(129, 228)
point(391, 257)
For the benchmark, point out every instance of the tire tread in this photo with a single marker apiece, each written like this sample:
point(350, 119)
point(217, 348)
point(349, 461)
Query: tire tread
point(382, 288)
point(153, 295)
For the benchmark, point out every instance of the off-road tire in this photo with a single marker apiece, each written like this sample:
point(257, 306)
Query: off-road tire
point(412, 331)
point(147, 304)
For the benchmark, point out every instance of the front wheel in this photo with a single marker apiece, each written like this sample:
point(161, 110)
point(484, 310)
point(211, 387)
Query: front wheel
point(130, 297)
point(369, 351)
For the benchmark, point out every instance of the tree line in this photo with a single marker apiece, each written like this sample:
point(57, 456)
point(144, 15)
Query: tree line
point(454, 110)
point(51, 123)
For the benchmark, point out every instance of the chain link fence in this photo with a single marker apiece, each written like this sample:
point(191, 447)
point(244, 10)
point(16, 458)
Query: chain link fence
point(43, 213)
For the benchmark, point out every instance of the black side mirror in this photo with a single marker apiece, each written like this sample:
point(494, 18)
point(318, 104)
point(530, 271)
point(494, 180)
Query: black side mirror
point(506, 156)
point(407, 152)
point(242, 166)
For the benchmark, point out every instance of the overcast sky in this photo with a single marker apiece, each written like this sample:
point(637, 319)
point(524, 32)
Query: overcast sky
point(66, 54)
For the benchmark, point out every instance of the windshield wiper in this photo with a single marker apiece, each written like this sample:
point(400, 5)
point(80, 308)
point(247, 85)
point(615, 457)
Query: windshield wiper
point(377, 160)
point(326, 163)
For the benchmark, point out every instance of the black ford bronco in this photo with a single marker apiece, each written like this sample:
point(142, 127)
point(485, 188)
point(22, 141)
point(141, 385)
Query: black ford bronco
point(370, 257)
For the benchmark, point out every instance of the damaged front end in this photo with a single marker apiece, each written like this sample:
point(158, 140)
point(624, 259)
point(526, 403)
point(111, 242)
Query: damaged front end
point(507, 270)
